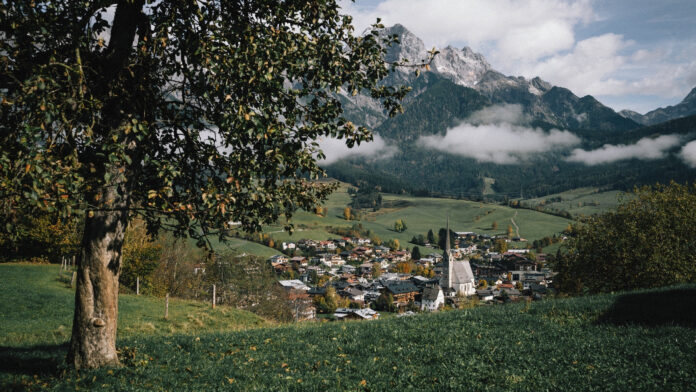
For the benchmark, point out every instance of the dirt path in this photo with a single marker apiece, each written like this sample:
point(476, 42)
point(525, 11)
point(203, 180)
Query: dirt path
point(517, 229)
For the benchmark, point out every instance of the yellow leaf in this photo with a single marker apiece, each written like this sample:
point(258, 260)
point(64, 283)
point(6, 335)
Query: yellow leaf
point(230, 380)
point(363, 383)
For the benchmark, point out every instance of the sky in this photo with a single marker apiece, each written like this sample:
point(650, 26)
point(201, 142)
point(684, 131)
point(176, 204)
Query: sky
point(629, 54)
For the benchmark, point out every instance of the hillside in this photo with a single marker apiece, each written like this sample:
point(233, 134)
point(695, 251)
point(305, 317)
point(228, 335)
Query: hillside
point(42, 314)
point(632, 341)
point(421, 214)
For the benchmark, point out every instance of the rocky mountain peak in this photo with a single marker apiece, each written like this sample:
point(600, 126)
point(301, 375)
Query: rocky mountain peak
point(691, 97)
point(463, 66)
point(409, 47)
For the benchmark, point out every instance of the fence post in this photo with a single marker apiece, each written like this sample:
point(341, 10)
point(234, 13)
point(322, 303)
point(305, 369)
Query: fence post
point(73, 261)
point(213, 296)
point(166, 306)
point(137, 285)
point(72, 281)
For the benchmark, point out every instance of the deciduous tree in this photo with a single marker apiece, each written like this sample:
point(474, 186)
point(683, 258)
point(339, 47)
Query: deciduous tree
point(189, 114)
point(647, 242)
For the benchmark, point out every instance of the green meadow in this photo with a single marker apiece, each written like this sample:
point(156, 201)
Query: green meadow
point(634, 341)
point(422, 214)
point(578, 202)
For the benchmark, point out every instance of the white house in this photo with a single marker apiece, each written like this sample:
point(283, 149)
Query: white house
point(432, 298)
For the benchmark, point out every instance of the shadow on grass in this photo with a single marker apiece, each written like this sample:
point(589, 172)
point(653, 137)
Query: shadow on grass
point(669, 307)
point(44, 360)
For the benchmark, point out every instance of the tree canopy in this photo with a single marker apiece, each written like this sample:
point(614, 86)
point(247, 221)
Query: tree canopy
point(189, 114)
point(647, 242)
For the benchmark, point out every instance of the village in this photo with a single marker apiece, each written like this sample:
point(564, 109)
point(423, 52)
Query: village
point(352, 278)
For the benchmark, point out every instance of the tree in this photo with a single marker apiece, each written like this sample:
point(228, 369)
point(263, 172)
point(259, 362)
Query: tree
point(141, 256)
point(347, 213)
point(431, 237)
point(189, 114)
point(400, 226)
point(646, 242)
point(385, 302)
point(415, 253)
point(376, 270)
point(509, 231)
point(494, 225)
point(500, 245)
point(483, 284)
point(394, 244)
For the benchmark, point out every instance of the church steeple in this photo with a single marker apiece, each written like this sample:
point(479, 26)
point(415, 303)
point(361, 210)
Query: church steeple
point(446, 279)
point(447, 241)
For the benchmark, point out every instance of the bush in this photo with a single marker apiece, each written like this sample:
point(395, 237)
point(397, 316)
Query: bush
point(647, 242)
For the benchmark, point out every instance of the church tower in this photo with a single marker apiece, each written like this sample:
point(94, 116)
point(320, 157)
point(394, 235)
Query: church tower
point(446, 279)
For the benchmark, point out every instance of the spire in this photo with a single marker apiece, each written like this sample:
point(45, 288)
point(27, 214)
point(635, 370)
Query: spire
point(447, 241)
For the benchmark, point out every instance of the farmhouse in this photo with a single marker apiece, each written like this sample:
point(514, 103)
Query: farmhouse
point(403, 292)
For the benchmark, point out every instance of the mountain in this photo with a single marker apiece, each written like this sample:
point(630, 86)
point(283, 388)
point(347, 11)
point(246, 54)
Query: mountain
point(685, 108)
point(461, 88)
point(541, 101)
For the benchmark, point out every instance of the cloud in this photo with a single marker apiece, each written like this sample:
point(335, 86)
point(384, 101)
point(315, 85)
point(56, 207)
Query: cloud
point(336, 149)
point(497, 114)
point(493, 135)
point(688, 154)
point(518, 28)
point(569, 43)
point(644, 149)
point(605, 65)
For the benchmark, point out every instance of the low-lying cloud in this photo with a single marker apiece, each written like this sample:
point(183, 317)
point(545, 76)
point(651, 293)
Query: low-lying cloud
point(336, 149)
point(495, 134)
point(688, 154)
point(644, 149)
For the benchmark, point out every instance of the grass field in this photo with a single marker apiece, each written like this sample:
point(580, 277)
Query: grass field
point(38, 303)
point(638, 341)
point(581, 201)
point(422, 214)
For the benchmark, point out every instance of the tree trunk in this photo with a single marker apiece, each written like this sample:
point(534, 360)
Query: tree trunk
point(93, 341)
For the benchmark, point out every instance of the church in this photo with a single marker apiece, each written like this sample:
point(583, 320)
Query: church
point(457, 276)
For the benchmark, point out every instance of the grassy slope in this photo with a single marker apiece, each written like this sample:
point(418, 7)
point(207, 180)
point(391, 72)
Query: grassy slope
point(575, 344)
point(422, 214)
point(37, 306)
point(581, 201)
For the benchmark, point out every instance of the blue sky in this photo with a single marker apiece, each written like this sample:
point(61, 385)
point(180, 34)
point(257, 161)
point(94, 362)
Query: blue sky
point(629, 54)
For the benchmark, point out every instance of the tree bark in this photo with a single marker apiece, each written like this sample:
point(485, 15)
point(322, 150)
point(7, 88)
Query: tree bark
point(93, 341)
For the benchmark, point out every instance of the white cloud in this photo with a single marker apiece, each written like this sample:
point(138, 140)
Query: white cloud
point(539, 38)
point(644, 149)
point(499, 140)
point(587, 69)
point(688, 154)
point(518, 28)
point(336, 149)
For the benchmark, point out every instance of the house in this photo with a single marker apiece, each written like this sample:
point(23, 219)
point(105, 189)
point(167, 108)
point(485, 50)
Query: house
point(278, 259)
point(353, 294)
point(348, 269)
point(366, 268)
point(355, 314)
point(289, 245)
point(301, 305)
point(299, 261)
point(294, 284)
point(487, 294)
point(432, 298)
point(403, 292)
